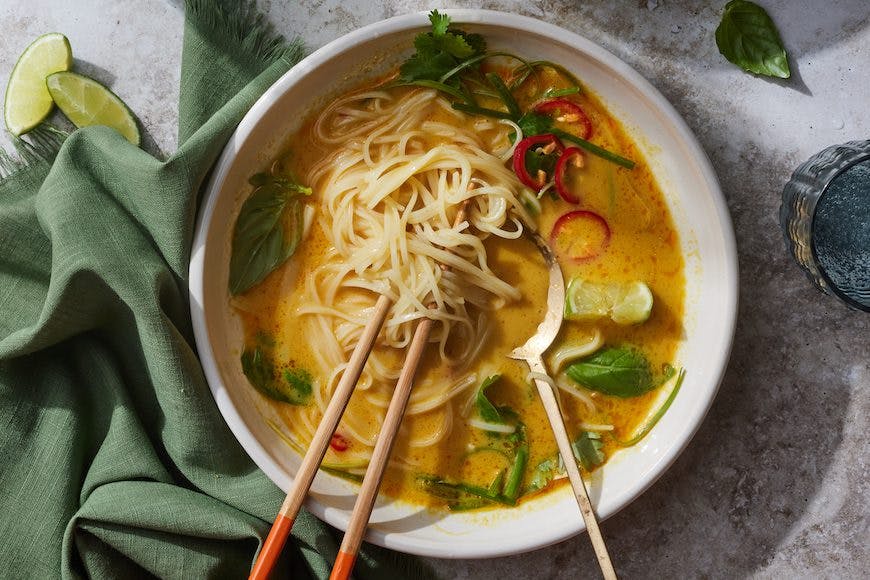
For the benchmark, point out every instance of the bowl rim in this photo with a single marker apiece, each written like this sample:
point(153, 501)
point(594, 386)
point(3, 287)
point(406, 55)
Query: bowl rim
point(231, 415)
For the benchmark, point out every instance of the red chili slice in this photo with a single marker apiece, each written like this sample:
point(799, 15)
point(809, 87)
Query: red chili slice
point(339, 443)
point(570, 155)
point(567, 111)
point(519, 163)
point(580, 235)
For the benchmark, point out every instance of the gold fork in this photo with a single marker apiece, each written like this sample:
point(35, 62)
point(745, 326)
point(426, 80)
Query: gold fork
point(531, 352)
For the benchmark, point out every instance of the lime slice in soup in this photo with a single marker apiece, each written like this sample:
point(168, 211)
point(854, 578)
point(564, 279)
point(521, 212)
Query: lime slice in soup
point(86, 102)
point(623, 303)
point(27, 101)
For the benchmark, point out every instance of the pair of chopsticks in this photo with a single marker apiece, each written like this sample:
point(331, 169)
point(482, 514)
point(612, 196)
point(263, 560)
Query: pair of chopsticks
point(362, 509)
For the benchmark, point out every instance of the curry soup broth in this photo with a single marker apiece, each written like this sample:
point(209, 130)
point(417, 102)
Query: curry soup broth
point(643, 246)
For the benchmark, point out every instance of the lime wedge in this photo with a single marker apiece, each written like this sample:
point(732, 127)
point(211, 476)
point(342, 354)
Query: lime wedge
point(623, 303)
point(86, 102)
point(27, 101)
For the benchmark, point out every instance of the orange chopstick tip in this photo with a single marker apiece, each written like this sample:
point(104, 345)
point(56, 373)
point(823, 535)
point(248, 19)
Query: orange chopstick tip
point(272, 548)
point(343, 566)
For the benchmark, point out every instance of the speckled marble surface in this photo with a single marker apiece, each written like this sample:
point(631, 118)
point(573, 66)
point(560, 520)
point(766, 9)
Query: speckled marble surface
point(776, 482)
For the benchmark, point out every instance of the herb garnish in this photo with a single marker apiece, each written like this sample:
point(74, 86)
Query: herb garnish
point(268, 229)
point(487, 411)
point(448, 59)
point(621, 372)
point(748, 38)
point(439, 52)
point(587, 450)
point(259, 368)
point(505, 488)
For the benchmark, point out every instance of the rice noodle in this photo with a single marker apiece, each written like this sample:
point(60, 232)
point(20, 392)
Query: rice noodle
point(388, 195)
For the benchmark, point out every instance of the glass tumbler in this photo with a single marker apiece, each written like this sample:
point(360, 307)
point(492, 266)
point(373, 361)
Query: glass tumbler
point(825, 216)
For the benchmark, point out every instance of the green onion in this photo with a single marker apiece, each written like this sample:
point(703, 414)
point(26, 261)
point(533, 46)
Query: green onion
point(343, 474)
point(546, 64)
point(471, 61)
point(475, 110)
point(437, 86)
point(553, 93)
point(595, 149)
point(515, 477)
point(647, 427)
point(510, 102)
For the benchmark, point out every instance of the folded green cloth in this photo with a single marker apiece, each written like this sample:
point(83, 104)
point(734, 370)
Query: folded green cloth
point(114, 460)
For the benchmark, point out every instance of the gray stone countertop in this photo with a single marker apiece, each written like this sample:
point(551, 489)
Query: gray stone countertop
point(775, 484)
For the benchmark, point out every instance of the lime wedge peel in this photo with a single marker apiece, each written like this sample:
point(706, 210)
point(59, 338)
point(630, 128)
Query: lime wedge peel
point(27, 102)
point(623, 303)
point(86, 102)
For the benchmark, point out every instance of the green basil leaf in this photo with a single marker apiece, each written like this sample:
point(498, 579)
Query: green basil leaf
point(587, 450)
point(259, 368)
point(263, 239)
point(299, 381)
point(485, 408)
point(621, 372)
point(748, 38)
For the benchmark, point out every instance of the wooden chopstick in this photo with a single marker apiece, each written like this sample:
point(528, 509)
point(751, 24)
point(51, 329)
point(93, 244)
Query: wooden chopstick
point(365, 501)
point(368, 493)
point(277, 537)
point(557, 424)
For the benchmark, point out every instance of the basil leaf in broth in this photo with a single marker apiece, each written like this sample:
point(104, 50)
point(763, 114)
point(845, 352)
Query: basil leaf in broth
point(621, 372)
point(300, 383)
point(748, 38)
point(259, 368)
point(267, 232)
point(487, 411)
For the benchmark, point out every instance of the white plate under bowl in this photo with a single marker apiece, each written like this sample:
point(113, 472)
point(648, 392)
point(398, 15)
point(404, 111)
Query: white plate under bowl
point(682, 170)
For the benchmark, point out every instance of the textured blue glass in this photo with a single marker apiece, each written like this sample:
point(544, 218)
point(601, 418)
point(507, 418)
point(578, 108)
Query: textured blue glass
point(825, 216)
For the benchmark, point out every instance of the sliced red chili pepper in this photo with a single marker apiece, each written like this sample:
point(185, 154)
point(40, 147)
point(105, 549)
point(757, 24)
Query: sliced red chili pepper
point(580, 235)
point(544, 142)
point(570, 155)
point(567, 111)
point(339, 443)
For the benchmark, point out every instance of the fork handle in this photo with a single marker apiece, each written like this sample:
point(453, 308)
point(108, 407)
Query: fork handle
point(554, 415)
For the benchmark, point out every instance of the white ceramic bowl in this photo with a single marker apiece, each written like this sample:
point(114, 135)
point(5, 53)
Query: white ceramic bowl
point(696, 203)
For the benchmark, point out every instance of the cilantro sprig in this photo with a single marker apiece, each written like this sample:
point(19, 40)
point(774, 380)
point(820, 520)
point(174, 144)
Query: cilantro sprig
point(448, 59)
point(440, 50)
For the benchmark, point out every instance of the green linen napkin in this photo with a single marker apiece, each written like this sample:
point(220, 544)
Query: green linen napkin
point(114, 461)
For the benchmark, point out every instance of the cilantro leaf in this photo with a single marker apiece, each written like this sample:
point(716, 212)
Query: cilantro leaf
point(428, 67)
point(537, 161)
point(475, 41)
point(587, 450)
point(440, 50)
point(546, 471)
point(535, 124)
point(456, 46)
point(440, 22)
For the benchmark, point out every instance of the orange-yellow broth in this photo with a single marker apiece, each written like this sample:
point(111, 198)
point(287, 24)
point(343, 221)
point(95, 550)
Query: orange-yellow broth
point(643, 246)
